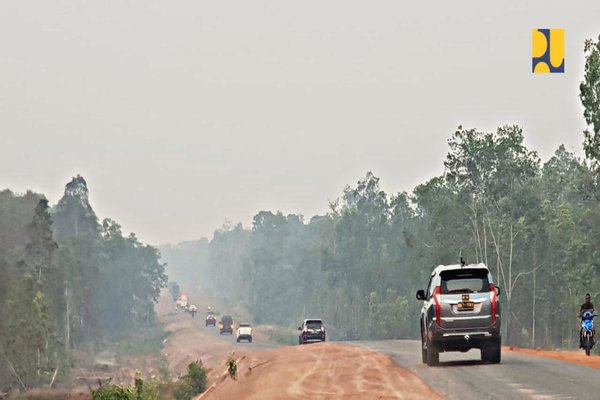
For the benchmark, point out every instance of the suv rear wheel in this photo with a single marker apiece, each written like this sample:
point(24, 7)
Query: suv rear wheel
point(433, 354)
point(423, 349)
point(491, 353)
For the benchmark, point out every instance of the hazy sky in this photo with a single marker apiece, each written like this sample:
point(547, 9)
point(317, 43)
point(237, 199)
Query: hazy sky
point(183, 113)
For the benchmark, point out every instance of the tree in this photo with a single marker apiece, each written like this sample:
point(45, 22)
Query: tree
point(589, 93)
point(493, 173)
point(73, 215)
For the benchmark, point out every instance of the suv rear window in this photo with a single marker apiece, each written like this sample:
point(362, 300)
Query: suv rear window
point(227, 319)
point(313, 324)
point(465, 281)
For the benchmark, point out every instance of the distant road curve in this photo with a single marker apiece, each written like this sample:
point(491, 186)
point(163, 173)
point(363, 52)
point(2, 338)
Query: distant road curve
point(519, 376)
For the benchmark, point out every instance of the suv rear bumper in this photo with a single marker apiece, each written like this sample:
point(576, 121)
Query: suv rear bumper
point(464, 339)
point(306, 338)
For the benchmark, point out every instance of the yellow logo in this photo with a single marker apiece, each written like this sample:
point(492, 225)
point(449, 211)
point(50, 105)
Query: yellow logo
point(548, 50)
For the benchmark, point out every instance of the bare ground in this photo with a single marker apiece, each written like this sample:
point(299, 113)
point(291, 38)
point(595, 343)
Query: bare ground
point(574, 357)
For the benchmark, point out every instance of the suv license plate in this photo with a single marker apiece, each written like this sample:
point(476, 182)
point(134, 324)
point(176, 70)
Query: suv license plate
point(465, 306)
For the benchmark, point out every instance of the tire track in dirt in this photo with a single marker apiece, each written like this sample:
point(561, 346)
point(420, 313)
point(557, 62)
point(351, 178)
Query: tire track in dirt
point(297, 387)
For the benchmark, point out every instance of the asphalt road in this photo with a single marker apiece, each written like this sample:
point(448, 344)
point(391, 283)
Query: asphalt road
point(463, 376)
point(214, 331)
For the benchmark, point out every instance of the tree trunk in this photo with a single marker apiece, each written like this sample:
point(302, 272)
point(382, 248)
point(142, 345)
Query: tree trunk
point(67, 318)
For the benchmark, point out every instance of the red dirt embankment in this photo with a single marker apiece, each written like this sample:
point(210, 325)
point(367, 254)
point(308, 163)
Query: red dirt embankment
point(566, 355)
point(320, 371)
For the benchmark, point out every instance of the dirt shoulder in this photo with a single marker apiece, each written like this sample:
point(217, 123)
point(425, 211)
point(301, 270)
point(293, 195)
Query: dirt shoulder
point(323, 371)
point(566, 355)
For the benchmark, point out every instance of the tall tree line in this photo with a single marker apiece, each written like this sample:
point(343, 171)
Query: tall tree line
point(536, 225)
point(66, 282)
point(359, 265)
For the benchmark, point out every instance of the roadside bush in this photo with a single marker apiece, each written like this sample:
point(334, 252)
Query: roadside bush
point(196, 377)
point(190, 385)
point(232, 366)
point(183, 391)
point(150, 390)
point(113, 392)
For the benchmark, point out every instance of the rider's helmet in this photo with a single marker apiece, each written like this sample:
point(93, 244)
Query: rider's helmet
point(587, 298)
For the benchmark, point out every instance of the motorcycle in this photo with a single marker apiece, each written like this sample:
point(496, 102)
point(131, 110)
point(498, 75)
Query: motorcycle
point(587, 331)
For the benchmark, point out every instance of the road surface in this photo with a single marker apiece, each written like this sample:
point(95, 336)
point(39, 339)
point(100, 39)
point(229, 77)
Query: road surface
point(462, 376)
point(256, 344)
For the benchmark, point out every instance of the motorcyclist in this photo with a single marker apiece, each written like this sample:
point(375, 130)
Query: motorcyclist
point(587, 306)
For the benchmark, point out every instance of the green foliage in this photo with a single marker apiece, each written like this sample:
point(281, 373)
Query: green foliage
point(196, 377)
point(113, 281)
point(183, 391)
point(232, 366)
point(140, 390)
point(147, 390)
point(589, 93)
point(389, 316)
point(146, 341)
point(66, 282)
point(30, 293)
point(358, 266)
point(192, 384)
point(113, 392)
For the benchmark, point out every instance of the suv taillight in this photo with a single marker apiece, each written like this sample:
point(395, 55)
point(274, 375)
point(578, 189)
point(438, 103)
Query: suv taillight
point(437, 294)
point(493, 301)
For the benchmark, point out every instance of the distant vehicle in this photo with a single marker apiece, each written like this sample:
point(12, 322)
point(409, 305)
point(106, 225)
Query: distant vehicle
point(193, 310)
point(461, 311)
point(312, 330)
point(174, 290)
point(182, 301)
point(211, 320)
point(226, 325)
point(244, 332)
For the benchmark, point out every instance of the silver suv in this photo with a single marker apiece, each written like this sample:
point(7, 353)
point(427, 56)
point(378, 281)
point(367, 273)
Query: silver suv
point(461, 311)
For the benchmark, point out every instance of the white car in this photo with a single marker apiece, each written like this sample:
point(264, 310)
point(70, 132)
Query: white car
point(181, 302)
point(244, 332)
